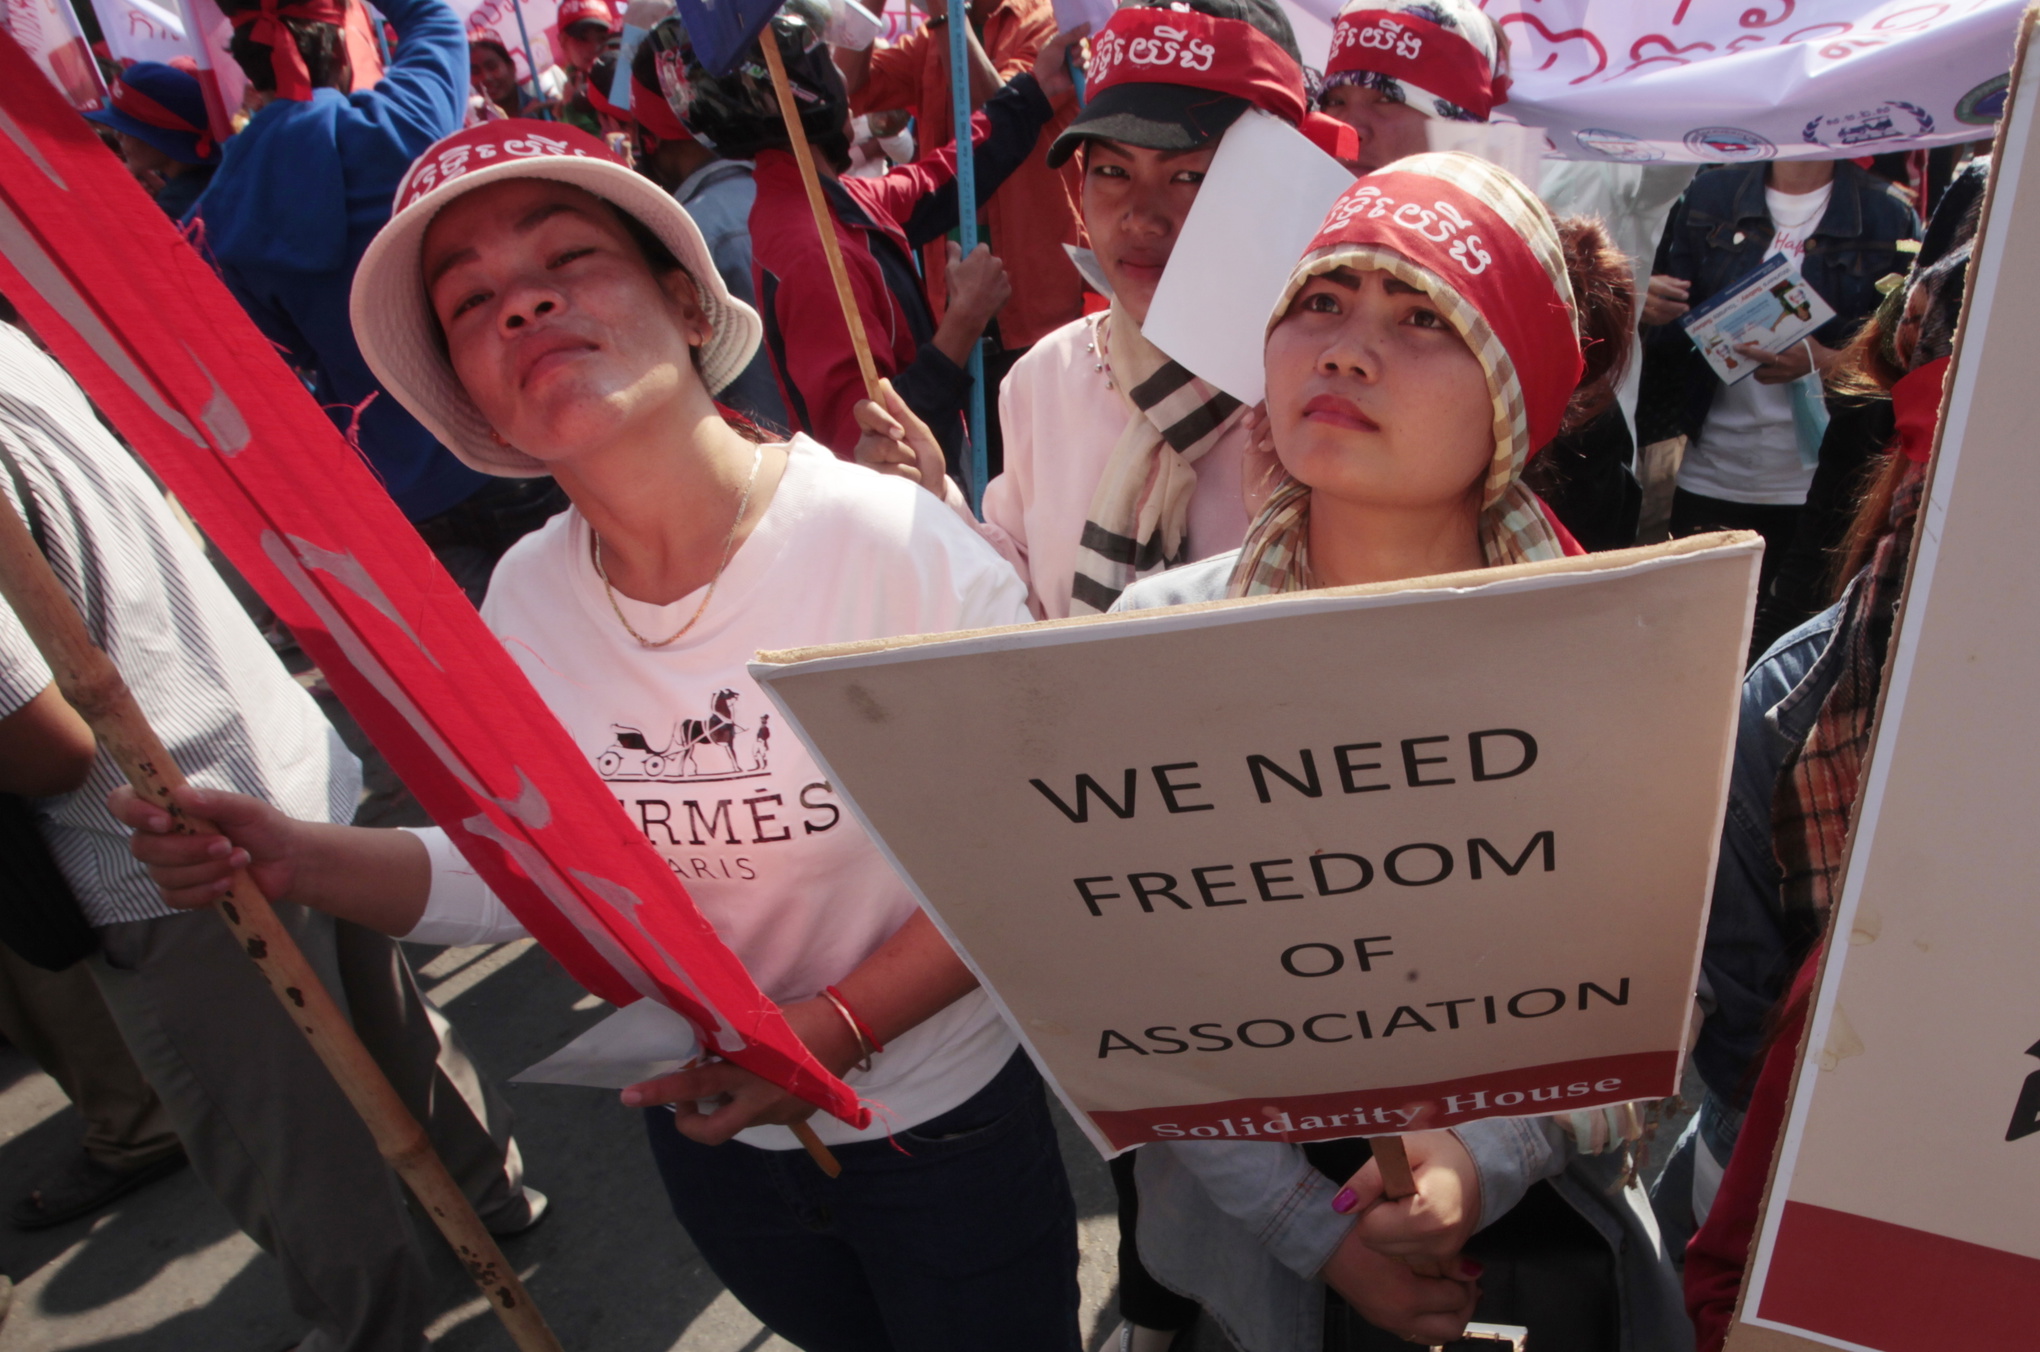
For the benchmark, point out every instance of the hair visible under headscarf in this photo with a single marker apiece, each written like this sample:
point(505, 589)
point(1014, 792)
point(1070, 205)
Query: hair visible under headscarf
point(1475, 240)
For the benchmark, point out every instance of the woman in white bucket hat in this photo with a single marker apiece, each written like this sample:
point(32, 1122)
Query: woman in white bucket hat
point(546, 311)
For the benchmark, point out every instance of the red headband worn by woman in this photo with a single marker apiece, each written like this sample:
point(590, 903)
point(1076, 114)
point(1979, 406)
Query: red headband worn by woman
point(286, 62)
point(1472, 238)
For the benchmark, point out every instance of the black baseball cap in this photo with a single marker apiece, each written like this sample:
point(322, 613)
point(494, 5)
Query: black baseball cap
point(1173, 117)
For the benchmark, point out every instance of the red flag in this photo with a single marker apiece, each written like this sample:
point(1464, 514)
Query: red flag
point(154, 337)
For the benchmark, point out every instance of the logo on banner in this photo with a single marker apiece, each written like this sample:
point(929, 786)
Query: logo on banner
point(694, 749)
point(1984, 104)
point(1888, 121)
point(1384, 35)
point(1729, 143)
point(1617, 145)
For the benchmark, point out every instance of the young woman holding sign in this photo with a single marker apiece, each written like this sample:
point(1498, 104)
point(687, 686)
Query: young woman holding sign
point(1415, 363)
point(546, 311)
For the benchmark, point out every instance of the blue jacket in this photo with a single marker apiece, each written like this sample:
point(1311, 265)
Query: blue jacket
point(297, 198)
point(1721, 229)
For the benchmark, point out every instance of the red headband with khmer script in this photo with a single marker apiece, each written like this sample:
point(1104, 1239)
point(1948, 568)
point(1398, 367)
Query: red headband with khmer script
point(1471, 247)
point(286, 62)
point(1401, 45)
point(1143, 45)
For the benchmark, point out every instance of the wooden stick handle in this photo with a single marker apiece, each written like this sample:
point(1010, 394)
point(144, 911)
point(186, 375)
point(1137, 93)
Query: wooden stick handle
point(89, 681)
point(825, 221)
point(1397, 1182)
point(817, 1152)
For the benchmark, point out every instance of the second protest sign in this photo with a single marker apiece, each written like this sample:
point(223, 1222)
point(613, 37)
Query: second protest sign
point(1335, 864)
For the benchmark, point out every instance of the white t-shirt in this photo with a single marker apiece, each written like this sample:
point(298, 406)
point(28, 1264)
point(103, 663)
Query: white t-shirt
point(733, 801)
point(1748, 449)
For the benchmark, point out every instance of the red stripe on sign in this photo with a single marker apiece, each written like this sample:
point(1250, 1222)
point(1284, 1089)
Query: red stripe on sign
point(1895, 1288)
point(1560, 1087)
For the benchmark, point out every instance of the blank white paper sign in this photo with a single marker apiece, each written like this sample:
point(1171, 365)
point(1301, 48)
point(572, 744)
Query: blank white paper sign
point(1266, 194)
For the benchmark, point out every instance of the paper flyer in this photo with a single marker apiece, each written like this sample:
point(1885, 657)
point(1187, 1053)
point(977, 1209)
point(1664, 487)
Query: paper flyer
point(1772, 308)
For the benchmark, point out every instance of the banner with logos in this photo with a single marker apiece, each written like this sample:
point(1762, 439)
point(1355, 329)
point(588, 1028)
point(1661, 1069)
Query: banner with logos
point(1710, 81)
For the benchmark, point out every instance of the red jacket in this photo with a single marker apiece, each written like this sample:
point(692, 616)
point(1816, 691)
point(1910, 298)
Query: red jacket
point(1718, 1253)
point(879, 223)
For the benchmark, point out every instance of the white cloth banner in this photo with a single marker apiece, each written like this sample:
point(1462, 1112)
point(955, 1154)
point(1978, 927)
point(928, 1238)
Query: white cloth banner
point(142, 30)
point(1708, 81)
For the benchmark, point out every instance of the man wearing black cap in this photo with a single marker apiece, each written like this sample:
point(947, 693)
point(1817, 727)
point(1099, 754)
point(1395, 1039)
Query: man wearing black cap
point(1100, 426)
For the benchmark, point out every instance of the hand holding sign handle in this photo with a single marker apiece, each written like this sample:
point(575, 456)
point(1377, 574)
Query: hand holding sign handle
point(1421, 1226)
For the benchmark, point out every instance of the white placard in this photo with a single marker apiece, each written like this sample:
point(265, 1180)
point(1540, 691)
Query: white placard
point(1263, 199)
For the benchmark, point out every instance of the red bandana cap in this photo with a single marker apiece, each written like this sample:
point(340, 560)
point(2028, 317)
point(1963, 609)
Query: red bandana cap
point(1426, 53)
point(1476, 241)
point(1916, 403)
point(293, 79)
point(654, 114)
point(587, 11)
point(1146, 45)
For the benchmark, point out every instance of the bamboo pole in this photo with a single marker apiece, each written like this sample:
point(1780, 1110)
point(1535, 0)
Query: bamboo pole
point(88, 679)
point(825, 221)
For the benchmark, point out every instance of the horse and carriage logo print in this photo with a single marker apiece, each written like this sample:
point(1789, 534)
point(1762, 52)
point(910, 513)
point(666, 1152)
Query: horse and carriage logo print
point(695, 749)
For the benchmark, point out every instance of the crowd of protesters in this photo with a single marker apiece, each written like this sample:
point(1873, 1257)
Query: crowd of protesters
point(606, 378)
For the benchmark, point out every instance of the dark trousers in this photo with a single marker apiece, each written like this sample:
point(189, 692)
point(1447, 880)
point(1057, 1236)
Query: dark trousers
point(470, 536)
point(1142, 1299)
point(961, 1233)
point(1693, 514)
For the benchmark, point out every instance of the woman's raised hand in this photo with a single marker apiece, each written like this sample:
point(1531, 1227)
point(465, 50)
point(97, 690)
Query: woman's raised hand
point(197, 870)
point(894, 441)
point(1429, 1227)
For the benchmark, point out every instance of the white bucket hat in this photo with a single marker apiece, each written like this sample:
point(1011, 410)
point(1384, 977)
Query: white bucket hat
point(393, 321)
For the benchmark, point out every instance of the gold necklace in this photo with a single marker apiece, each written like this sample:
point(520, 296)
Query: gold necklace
point(729, 547)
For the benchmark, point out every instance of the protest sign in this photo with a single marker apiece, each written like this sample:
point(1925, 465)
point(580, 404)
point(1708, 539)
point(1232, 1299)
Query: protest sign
point(1901, 1212)
point(1645, 80)
point(1339, 863)
point(1771, 307)
point(139, 319)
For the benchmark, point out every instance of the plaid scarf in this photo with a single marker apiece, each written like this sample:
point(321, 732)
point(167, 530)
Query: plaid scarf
point(1139, 518)
point(1516, 528)
point(1816, 793)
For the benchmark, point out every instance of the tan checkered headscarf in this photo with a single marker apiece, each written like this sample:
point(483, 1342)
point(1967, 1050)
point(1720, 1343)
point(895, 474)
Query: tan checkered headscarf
point(1475, 240)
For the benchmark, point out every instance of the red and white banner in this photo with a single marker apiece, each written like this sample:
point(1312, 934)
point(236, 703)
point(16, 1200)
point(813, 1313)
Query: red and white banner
point(49, 33)
point(1708, 81)
point(139, 319)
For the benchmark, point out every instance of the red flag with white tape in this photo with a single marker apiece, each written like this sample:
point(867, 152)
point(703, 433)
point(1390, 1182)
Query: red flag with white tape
point(154, 337)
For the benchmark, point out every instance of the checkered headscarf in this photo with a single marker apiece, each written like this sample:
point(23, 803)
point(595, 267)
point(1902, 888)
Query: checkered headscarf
point(1475, 240)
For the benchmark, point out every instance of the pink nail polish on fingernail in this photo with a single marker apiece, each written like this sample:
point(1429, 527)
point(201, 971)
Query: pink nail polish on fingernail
point(1345, 1201)
point(1470, 1269)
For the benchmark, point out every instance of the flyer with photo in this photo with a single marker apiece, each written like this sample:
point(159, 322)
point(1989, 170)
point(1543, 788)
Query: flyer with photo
point(1772, 308)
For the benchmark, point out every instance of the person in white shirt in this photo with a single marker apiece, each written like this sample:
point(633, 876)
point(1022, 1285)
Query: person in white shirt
point(570, 321)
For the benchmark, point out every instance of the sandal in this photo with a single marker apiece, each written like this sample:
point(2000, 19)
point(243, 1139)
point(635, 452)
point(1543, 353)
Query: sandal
point(84, 1186)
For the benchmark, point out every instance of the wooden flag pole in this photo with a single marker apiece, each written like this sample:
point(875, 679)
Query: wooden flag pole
point(825, 222)
point(93, 686)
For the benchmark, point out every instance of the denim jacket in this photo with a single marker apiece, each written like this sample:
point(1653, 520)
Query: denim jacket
point(1243, 1227)
point(1752, 950)
point(1720, 230)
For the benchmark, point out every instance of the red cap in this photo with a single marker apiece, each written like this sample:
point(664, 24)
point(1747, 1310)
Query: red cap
point(588, 11)
point(1143, 45)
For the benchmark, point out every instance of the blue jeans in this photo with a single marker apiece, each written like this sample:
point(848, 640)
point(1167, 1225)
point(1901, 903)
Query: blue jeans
point(960, 1232)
